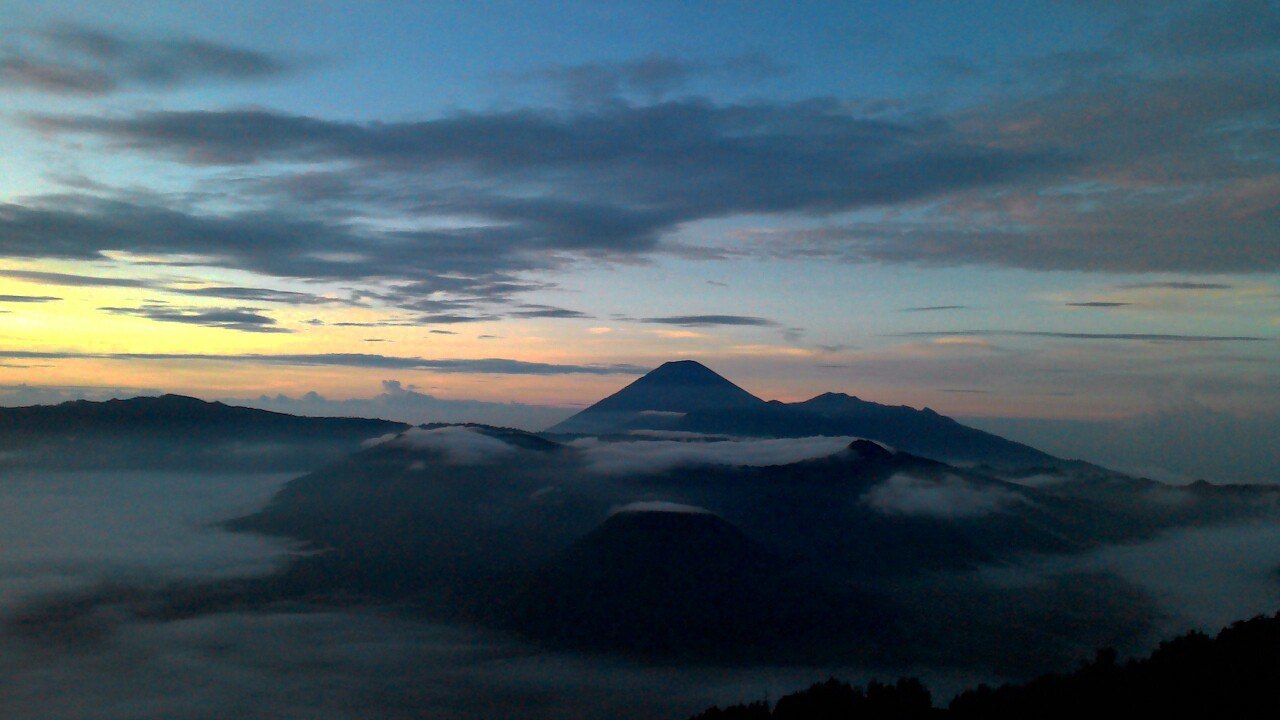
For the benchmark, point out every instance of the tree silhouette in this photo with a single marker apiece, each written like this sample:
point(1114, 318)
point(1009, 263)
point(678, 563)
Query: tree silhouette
point(1233, 675)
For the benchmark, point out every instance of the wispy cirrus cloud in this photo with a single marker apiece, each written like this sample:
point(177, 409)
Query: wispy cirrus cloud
point(548, 311)
point(226, 292)
point(69, 59)
point(28, 298)
point(934, 308)
point(244, 319)
point(284, 297)
point(75, 280)
point(711, 320)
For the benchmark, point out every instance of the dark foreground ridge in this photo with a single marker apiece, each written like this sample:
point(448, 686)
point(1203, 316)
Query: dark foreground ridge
point(1234, 675)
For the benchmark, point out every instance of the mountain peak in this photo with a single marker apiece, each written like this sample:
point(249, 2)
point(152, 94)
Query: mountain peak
point(676, 387)
point(686, 372)
point(683, 367)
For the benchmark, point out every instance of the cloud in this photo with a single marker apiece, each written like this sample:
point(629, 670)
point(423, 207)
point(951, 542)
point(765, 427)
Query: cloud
point(460, 445)
point(1101, 161)
point(1179, 442)
point(284, 297)
point(541, 188)
point(1141, 337)
point(1177, 285)
point(78, 60)
point(1172, 169)
point(935, 308)
point(487, 366)
point(1206, 577)
point(651, 77)
point(394, 322)
point(1213, 29)
point(228, 292)
point(124, 539)
point(28, 298)
point(244, 319)
point(1098, 304)
point(710, 320)
point(454, 319)
point(618, 458)
point(343, 663)
point(547, 311)
point(949, 498)
point(73, 280)
point(690, 159)
point(474, 263)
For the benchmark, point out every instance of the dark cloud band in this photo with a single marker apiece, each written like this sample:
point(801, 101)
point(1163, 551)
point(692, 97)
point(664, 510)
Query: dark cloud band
point(480, 366)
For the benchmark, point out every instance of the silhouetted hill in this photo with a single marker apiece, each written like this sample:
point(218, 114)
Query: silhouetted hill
point(1232, 675)
point(176, 432)
point(922, 432)
point(673, 388)
point(684, 582)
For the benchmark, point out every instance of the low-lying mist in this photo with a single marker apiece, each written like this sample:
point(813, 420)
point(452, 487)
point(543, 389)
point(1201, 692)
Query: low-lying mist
point(71, 531)
point(96, 535)
point(107, 537)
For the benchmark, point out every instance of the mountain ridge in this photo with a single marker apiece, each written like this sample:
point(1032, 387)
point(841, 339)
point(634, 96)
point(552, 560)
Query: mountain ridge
point(712, 408)
point(176, 431)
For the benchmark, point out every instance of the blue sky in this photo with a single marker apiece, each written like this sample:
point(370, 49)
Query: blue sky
point(1064, 211)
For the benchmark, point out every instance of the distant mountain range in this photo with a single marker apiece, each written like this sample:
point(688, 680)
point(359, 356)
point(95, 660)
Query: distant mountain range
point(176, 432)
point(173, 431)
point(687, 396)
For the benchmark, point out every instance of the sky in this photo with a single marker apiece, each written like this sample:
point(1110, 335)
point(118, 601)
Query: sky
point(1064, 212)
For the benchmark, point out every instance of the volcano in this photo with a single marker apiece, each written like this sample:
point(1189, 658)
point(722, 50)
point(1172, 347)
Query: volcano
point(670, 391)
point(671, 580)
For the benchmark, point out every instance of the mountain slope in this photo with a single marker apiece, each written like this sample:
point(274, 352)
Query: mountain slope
point(677, 387)
point(687, 396)
point(921, 432)
point(173, 431)
point(683, 582)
